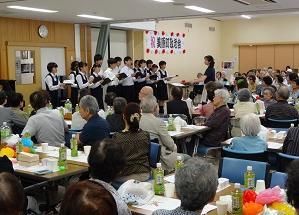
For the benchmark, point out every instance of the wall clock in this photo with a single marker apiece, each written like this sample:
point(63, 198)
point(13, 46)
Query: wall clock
point(43, 31)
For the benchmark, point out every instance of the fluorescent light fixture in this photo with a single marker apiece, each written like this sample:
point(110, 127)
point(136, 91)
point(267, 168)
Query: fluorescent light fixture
point(32, 9)
point(246, 16)
point(164, 1)
point(94, 17)
point(200, 9)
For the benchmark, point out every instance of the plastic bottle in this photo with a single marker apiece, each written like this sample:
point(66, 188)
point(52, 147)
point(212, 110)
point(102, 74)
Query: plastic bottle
point(62, 157)
point(29, 110)
point(19, 147)
point(77, 108)
point(237, 200)
point(159, 180)
point(5, 132)
point(171, 126)
point(68, 109)
point(179, 162)
point(50, 106)
point(249, 178)
point(74, 146)
point(109, 110)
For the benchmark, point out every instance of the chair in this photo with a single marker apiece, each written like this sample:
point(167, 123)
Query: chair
point(278, 179)
point(254, 156)
point(281, 123)
point(155, 153)
point(234, 169)
point(284, 160)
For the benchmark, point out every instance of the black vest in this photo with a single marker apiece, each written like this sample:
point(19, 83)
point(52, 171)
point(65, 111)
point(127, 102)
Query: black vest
point(54, 83)
point(163, 75)
point(74, 73)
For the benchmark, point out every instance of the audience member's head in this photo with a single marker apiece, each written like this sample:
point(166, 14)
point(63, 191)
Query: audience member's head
point(12, 196)
point(177, 93)
point(109, 98)
point(88, 107)
point(196, 184)
point(119, 104)
point(241, 83)
point(244, 95)
point(279, 79)
point(221, 97)
point(3, 98)
point(131, 115)
point(250, 124)
point(268, 93)
point(149, 105)
point(251, 79)
point(211, 87)
point(106, 160)
point(292, 77)
point(267, 81)
point(145, 91)
point(16, 100)
point(88, 198)
point(292, 184)
point(295, 84)
point(282, 93)
point(38, 100)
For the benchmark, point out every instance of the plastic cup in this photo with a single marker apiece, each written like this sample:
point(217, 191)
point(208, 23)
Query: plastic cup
point(87, 150)
point(221, 207)
point(260, 186)
point(228, 200)
point(169, 190)
point(178, 128)
point(45, 147)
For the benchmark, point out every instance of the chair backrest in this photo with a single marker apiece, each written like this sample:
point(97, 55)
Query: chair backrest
point(284, 160)
point(278, 179)
point(254, 156)
point(281, 123)
point(155, 152)
point(234, 169)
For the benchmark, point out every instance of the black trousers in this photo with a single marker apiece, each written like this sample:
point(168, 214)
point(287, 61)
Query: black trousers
point(74, 96)
point(128, 92)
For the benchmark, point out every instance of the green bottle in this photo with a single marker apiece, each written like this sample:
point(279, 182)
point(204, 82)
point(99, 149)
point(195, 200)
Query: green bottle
point(50, 106)
point(159, 180)
point(77, 108)
point(237, 200)
point(19, 147)
point(29, 110)
point(62, 158)
point(249, 178)
point(5, 132)
point(179, 163)
point(74, 146)
point(171, 126)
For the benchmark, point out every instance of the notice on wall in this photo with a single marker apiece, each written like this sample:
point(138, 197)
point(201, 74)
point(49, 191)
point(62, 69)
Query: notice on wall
point(164, 43)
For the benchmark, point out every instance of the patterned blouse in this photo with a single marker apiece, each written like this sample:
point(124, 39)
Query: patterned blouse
point(136, 147)
point(177, 211)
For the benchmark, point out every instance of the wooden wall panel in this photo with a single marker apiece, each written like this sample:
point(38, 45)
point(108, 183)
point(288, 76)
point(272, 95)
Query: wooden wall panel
point(296, 56)
point(265, 56)
point(247, 56)
point(284, 56)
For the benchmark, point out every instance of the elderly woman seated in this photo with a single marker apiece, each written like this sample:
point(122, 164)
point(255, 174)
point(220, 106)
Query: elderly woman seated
point(218, 121)
point(244, 105)
point(115, 120)
point(250, 126)
point(195, 185)
point(268, 96)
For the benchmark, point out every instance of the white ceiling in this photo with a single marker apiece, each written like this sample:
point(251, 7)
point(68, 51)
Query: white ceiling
point(135, 10)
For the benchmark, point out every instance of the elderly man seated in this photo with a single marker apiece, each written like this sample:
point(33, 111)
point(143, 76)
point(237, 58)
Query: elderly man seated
point(218, 122)
point(195, 184)
point(281, 109)
point(96, 128)
point(157, 129)
point(244, 105)
point(145, 91)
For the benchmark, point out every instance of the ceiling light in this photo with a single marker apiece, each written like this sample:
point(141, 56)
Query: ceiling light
point(94, 17)
point(200, 9)
point(164, 1)
point(32, 9)
point(246, 16)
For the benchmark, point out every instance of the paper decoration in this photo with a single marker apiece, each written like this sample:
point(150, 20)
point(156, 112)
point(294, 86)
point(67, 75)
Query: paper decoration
point(164, 43)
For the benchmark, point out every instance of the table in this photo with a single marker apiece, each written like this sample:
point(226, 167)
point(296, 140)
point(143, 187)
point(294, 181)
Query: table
point(232, 114)
point(188, 131)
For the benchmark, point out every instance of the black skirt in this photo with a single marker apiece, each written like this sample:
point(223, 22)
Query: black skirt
point(74, 96)
point(154, 86)
point(162, 93)
point(128, 92)
point(98, 94)
point(113, 89)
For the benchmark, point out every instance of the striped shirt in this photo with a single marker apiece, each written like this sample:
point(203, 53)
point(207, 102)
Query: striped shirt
point(291, 142)
point(281, 110)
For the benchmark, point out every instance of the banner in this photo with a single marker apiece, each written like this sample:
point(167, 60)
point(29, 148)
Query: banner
point(164, 43)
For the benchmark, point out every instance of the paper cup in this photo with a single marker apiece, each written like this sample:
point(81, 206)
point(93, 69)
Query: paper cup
point(87, 150)
point(228, 200)
point(52, 164)
point(260, 186)
point(44, 161)
point(44, 147)
point(178, 128)
point(169, 190)
point(221, 207)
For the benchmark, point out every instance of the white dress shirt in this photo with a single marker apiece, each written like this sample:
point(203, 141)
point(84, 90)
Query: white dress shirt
point(72, 78)
point(80, 81)
point(97, 84)
point(111, 74)
point(129, 81)
point(143, 71)
point(49, 82)
point(159, 75)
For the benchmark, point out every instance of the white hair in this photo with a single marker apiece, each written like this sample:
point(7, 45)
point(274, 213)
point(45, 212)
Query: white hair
point(222, 93)
point(148, 104)
point(250, 124)
point(90, 104)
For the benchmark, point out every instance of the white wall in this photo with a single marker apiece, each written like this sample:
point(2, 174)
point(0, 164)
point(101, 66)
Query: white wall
point(118, 44)
point(48, 55)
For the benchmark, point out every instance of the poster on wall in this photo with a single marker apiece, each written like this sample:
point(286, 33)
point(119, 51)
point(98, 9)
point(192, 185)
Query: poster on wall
point(164, 43)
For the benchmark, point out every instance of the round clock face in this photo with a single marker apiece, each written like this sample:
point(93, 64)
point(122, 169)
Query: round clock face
point(43, 31)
